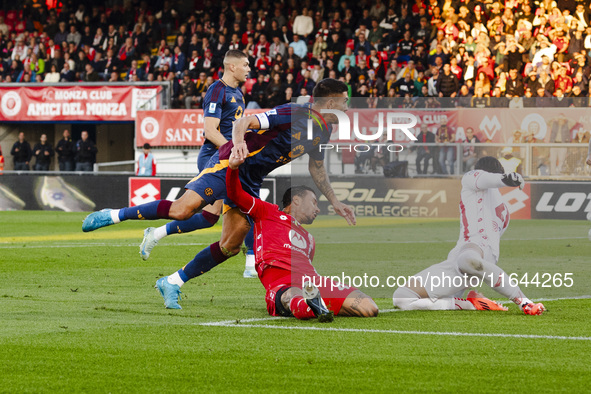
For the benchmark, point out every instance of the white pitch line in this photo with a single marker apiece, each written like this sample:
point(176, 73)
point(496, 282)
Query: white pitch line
point(16, 245)
point(240, 323)
point(436, 333)
point(583, 297)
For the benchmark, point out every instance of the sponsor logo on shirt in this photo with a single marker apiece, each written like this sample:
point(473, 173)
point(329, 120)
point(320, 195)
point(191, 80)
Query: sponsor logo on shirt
point(212, 108)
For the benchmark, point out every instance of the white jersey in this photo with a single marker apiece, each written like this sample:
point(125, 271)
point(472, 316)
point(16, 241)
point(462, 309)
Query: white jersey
point(483, 214)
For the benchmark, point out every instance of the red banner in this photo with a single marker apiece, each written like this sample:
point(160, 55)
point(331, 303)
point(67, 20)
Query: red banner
point(185, 127)
point(76, 103)
point(178, 127)
point(534, 124)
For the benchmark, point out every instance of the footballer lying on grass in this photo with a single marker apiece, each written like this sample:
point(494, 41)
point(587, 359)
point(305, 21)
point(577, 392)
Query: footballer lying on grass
point(284, 251)
point(484, 218)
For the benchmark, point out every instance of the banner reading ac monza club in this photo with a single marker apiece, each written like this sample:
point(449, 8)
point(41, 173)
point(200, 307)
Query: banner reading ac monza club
point(178, 127)
point(489, 124)
point(185, 127)
point(114, 103)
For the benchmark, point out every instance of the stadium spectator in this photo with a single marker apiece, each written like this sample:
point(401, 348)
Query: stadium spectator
point(424, 153)
point(74, 36)
point(179, 61)
point(299, 47)
point(146, 164)
point(509, 162)
point(90, 74)
point(188, 90)
point(303, 24)
point(43, 152)
point(66, 74)
point(85, 153)
point(446, 153)
point(21, 153)
point(470, 156)
point(447, 84)
point(65, 151)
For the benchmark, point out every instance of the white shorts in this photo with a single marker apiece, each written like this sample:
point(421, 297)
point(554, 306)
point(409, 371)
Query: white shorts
point(445, 280)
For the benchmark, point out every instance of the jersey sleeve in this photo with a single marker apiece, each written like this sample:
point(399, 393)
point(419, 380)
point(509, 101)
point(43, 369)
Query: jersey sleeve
point(480, 180)
point(273, 118)
point(254, 207)
point(213, 101)
point(316, 154)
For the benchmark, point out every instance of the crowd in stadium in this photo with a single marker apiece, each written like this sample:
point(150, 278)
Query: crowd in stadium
point(472, 51)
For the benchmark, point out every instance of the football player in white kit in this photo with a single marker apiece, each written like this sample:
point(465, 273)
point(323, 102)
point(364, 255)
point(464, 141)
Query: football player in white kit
point(484, 218)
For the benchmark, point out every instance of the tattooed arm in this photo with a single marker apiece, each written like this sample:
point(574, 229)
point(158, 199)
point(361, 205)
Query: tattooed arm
point(320, 177)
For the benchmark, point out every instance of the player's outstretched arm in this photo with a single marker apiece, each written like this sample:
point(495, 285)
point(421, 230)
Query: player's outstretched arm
point(320, 177)
point(248, 204)
point(480, 180)
point(589, 154)
point(238, 130)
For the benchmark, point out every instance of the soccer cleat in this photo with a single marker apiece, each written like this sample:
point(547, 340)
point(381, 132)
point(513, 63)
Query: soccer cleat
point(171, 293)
point(97, 220)
point(533, 309)
point(482, 303)
point(148, 243)
point(312, 297)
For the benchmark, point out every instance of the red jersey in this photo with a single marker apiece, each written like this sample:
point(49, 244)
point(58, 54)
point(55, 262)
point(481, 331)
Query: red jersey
point(279, 239)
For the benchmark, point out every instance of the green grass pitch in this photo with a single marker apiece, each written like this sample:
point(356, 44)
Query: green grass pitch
point(78, 313)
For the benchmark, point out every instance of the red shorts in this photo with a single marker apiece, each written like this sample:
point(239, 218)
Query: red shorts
point(279, 279)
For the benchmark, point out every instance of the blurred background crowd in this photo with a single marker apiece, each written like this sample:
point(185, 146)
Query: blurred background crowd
point(477, 53)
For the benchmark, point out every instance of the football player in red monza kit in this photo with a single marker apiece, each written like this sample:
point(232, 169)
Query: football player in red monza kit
point(284, 251)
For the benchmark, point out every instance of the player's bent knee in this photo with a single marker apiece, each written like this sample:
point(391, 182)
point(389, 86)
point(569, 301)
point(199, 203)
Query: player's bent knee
point(470, 262)
point(404, 297)
point(229, 250)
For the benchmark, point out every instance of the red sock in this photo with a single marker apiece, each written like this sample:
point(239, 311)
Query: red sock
point(300, 309)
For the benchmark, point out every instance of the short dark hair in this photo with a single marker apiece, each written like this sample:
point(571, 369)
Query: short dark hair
point(147, 146)
point(295, 191)
point(489, 164)
point(234, 54)
point(329, 87)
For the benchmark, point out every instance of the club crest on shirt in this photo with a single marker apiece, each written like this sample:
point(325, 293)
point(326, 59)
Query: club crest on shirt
point(297, 240)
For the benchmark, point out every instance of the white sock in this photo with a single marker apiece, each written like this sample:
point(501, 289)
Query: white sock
point(115, 216)
point(521, 300)
point(175, 279)
point(407, 300)
point(249, 265)
point(160, 232)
